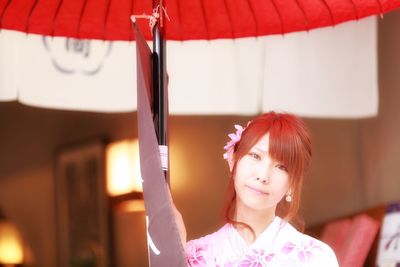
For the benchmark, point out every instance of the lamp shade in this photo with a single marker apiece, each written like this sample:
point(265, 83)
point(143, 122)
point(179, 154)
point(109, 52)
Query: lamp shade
point(123, 169)
point(11, 247)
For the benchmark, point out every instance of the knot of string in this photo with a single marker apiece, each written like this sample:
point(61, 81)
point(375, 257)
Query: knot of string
point(153, 18)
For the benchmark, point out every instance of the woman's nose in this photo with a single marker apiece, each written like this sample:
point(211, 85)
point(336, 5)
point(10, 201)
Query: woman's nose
point(262, 180)
point(264, 172)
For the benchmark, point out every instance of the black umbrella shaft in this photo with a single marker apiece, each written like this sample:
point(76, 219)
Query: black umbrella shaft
point(160, 95)
point(159, 86)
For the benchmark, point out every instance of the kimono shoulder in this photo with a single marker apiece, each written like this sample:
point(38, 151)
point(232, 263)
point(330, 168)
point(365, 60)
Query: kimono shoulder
point(200, 252)
point(279, 245)
point(303, 250)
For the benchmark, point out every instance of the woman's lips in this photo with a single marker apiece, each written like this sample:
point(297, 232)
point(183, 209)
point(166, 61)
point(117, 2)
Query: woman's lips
point(256, 190)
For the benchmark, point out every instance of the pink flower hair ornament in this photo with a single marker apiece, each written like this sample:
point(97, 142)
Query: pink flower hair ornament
point(235, 137)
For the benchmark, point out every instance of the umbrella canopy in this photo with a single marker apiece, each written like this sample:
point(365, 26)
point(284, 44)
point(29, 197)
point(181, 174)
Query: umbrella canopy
point(328, 72)
point(247, 75)
point(190, 19)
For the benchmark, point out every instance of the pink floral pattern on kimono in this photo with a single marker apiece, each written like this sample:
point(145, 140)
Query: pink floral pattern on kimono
point(308, 249)
point(197, 254)
point(257, 258)
point(304, 251)
point(280, 244)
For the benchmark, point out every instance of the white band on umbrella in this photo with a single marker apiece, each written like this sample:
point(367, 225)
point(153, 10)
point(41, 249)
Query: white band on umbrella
point(164, 157)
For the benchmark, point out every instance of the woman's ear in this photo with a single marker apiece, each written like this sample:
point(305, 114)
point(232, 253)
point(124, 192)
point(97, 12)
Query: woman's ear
point(289, 192)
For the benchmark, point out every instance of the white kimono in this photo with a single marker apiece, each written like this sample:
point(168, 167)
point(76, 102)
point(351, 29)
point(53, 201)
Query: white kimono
point(279, 245)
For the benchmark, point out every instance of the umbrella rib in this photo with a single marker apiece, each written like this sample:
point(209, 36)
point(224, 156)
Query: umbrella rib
point(304, 15)
point(203, 12)
point(355, 9)
point(279, 15)
point(330, 11)
point(29, 15)
point(3, 12)
point(380, 7)
point(107, 16)
point(178, 18)
point(80, 18)
point(229, 18)
point(254, 16)
point(60, 3)
point(131, 37)
point(178, 10)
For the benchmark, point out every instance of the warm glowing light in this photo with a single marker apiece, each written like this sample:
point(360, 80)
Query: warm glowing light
point(11, 248)
point(123, 167)
point(135, 205)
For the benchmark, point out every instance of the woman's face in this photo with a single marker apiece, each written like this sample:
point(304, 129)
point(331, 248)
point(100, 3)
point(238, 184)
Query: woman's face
point(260, 182)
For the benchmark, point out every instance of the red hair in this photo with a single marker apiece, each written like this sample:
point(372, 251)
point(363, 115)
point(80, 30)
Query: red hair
point(290, 144)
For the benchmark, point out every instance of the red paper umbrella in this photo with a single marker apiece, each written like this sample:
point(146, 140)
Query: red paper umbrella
point(190, 19)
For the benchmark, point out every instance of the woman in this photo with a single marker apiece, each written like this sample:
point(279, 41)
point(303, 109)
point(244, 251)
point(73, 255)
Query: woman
point(267, 160)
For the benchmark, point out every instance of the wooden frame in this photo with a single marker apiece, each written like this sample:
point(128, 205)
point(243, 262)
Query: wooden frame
point(81, 206)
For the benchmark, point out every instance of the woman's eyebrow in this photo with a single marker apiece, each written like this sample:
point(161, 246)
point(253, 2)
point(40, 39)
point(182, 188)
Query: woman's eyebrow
point(261, 150)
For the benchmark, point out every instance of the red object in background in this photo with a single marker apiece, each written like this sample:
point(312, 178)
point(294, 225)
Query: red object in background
point(336, 233)
point(190, 19)
point(351, 239)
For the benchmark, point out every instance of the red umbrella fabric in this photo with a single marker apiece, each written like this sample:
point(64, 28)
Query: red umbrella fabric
point(190, 19)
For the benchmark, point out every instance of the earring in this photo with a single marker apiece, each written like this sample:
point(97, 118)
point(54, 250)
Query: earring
point(288, 198)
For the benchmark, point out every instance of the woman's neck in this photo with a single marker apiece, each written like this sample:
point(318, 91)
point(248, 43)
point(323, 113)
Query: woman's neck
point(258, 220)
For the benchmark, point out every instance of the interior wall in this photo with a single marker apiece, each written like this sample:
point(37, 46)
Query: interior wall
point(130, 247)
point(27, 198)
point(380, 139)
point(331, 188)
point(199, 172)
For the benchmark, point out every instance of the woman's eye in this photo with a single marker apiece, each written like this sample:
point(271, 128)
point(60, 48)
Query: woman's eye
point(282, 167)
point(254, 155)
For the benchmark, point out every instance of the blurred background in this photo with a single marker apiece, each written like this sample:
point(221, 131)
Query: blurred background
point(355, 166)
